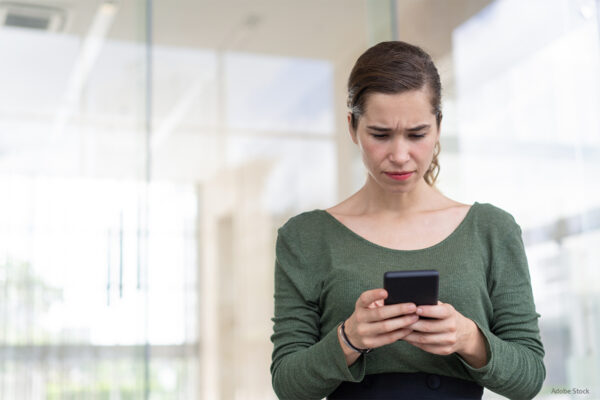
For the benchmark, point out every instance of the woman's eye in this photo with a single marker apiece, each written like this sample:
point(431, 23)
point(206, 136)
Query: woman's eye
point(379, 136)
point(417, 136)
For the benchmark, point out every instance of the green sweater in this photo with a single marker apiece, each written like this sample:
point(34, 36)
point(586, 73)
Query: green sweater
point(322, 267)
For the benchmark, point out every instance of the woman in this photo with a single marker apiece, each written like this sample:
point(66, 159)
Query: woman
point(333, 335)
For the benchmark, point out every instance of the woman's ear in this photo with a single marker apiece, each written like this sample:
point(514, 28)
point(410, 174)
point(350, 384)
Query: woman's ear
point(351, 129)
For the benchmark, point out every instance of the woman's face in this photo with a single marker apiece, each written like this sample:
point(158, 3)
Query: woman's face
point(396, 136)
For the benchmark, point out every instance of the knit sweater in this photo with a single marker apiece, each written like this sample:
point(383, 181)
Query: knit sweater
point(322, 267)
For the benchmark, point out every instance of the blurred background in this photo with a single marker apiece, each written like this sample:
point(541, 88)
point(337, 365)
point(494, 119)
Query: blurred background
point(149, 150)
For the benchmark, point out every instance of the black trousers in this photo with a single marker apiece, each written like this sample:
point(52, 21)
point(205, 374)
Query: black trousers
point(410, 386)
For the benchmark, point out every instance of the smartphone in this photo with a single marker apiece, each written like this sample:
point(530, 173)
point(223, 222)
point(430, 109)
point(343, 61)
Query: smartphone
point(416, 286)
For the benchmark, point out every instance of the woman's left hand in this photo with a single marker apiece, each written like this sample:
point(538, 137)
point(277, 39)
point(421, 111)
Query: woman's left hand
point(448, 332)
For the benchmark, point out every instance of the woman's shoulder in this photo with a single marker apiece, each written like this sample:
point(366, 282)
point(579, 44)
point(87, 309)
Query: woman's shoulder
point(305, 235)
point(305, 223)
point(303, 218)
point(494, 217)
point(494, 212)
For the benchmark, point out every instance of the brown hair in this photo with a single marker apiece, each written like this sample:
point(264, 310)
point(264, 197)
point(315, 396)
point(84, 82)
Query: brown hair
point(391, 68)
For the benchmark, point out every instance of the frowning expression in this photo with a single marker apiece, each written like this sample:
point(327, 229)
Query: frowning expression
point(396, 136)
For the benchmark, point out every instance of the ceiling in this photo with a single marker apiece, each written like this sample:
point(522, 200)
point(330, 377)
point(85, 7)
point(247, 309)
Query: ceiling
point(331, 29)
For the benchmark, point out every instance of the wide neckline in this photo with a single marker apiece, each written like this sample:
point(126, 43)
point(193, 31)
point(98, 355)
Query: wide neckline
point(460, 226)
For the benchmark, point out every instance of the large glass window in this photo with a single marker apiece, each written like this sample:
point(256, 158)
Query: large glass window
point(98, 278)
point(528, 95)
point(147, 153)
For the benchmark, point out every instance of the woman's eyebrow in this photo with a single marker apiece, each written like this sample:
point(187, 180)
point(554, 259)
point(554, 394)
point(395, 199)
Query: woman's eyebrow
point(385, 129)
point(418, 128)
point(379, 128)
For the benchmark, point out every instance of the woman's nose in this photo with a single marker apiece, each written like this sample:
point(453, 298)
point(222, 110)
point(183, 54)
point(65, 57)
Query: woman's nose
point(399, 151)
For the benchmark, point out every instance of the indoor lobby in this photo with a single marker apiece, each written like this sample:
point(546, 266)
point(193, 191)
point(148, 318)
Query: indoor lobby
point(151, 149)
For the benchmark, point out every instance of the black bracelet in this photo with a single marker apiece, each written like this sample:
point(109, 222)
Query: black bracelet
point(347, 342)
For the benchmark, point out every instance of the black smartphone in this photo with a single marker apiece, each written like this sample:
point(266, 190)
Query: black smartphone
point(415, 286)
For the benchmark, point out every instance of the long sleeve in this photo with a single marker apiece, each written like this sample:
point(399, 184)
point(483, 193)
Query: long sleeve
point(321, 268)
point(306, 364)
point(515, 368)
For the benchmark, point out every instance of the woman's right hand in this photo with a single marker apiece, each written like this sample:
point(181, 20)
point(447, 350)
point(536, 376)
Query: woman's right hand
point(373, 324)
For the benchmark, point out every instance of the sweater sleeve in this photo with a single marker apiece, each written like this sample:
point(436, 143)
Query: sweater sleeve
point(515, 367)
point(305, 364)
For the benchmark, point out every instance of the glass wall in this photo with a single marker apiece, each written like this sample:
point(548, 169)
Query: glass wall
point(148, 152)
point(528, 94)
point(98, 276)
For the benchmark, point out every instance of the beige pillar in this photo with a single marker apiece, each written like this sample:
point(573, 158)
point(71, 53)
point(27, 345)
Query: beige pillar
point(236, 291)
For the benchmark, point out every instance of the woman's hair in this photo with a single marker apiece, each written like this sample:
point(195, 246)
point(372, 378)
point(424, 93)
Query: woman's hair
point(392, 68)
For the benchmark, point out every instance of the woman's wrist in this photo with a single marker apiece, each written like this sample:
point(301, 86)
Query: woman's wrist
point(348, 343)
point(474, 351)
point(350, 355)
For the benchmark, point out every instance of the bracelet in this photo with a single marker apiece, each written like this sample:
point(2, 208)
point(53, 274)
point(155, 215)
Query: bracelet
point(347, 342)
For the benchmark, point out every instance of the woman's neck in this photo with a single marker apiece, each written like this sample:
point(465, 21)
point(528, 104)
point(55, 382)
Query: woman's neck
point(374, 200)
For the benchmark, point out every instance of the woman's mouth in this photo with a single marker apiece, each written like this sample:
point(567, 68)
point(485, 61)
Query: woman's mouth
point(399, 176)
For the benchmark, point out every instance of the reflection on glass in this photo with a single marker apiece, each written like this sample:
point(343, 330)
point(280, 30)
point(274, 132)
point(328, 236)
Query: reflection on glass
point(528, 100)
point(279, 93)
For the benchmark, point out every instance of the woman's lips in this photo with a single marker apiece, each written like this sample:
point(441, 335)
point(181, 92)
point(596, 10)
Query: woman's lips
point(399, 176)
